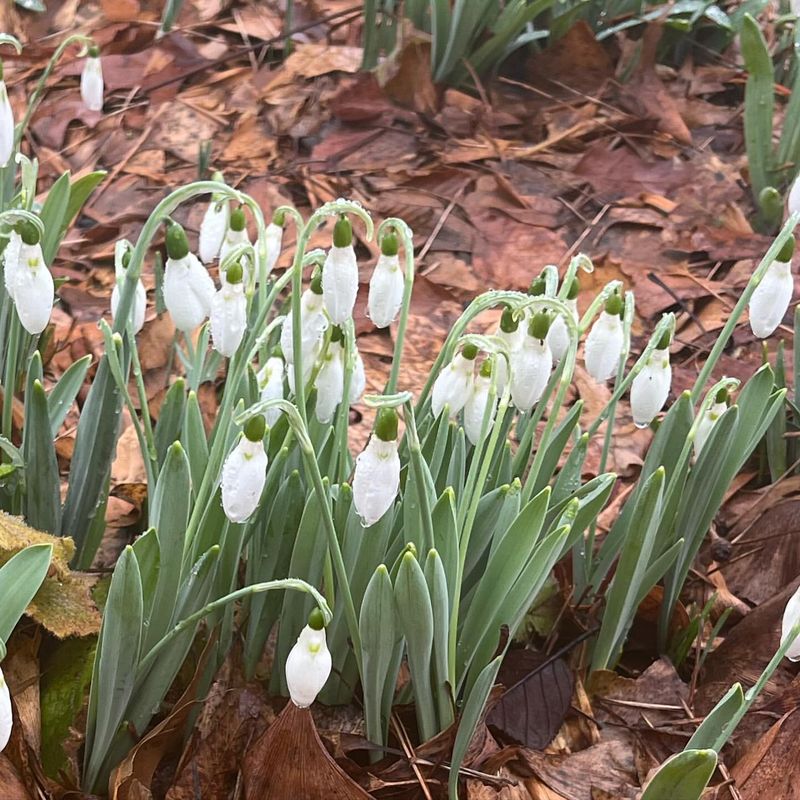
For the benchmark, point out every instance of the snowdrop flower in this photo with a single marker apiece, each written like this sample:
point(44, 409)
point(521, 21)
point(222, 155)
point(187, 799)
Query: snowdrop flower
point(478, 400)
point(558, 335)
point(309, 662)
point(651, 386)
point(188, 288)
point(794, 196)
point(340, 274)
point(454, 382)
point(28, 280)
point(313, 322)
point(244, 472)
point(6, 124)
point(709, 420)
point(11, 262)
point(6, 717)
point(274, 240)
point(330, 378)
point(235, 236)
point(358, 380)
point(605, 341)
point(213, 227)
point(376, 481)
point(270, 384)
point(122, 257)
point(92, 81)
point(229, 313)
point(533, 361)
point(386, 286)
point(510, 332)
point(772, 296)
point(791, 616)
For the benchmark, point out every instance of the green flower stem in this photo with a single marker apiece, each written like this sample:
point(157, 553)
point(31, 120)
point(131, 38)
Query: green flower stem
point(144, 406)
point(597, 305)
point(744, 299)
point(407, 238)
point(550, 275)
point(580, 261)
point(260, 249)
point(415, 457)
point(341, 460)
point(301, 433)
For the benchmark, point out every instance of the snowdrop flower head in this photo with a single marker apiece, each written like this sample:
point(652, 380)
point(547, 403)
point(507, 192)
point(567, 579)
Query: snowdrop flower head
point(244, 472)
point(386, 285)
point(511, 333)
point(538, 287)
point(532, 363)
point(376, 481)
point(122, 257)
point(479, 399)
point(234, 236)
point(558, 335)
point(340, 273)
point(605, 341)
point(330, 378)
point(771, 298)
point(6, 716)
point(270, 384)
point(709, 420)
point(92, 81)
point(651, 386)
point(791, 616)
point(213, 227)
point(454, 382)
point(274, 240)
point(229, 313)
point(30, 283)
point(188, 288)
point(308, 665)
point(6, 123)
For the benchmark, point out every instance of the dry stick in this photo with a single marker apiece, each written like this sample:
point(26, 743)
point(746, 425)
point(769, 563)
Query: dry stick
point(589, 228)
point(411, 756)
point(440, 223)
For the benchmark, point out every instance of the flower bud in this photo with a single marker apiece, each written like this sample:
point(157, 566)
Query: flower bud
point(270, 383)
point(244, 473)
point(386, 285)
point(213, 229)
point(651, 387)
point(340, 274)
point(6, 715)
point(477, 402)
point(453, 383)
point(188, 288)
point(709, 420)
point(558, 336)
point(92, 81)
point(229, 313)
point(791, 616)
point(122, 257)
point(308, 664)
point(605, 341)
point(770, 299)
point(6, 125)
point(376, 481)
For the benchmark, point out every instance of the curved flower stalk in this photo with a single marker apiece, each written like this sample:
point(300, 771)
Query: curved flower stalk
point(6, 123)
point(122, 258)
point(579, 262)
point(270, 384)
point(606, 341)
point(188, 288)
point(236, 236)
point(214, 226)
point(386, 284)
point(308, 665)
point(28, 280)
point(708, 419)
point(650, 388)
point(340, 273)
point(532, 363)
point(92, 80)
point(6, 715)
point(245, 472)
point(480, 399)
point(376, 481)
point(771, 297)
point(229, 312)
point(453, 383)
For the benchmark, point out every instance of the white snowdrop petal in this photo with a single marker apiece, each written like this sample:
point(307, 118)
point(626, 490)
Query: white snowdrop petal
point(452, 385)
point(603, 347)
point(512, 340)
point(308, 667)
point(213, 229)
point(188, 292)
point(11, 261)
point(376, 481)
point(650, 388)
point(794, 197)
point(274, 243)
point(358, 380)
point(244, 474)
point(530, 371)
point(228, 319)
point(6, 716)
point(270, 382)
point(92, 84)
point(33, 289)
point(313, 322)
point(6, 126)
point(385, 291)
point(771, 298)
point(235, 239)
point(706, 425)
point(790, 617)
point(330, 383)
point(558, 335)
point(475, 408)
point(340, 283)
point(139, 305)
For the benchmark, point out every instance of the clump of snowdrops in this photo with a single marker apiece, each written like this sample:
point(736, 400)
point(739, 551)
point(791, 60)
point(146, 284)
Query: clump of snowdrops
point(427, 546)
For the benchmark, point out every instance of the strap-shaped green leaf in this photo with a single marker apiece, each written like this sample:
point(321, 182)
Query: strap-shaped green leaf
point(79, 193)
point(42, 483)
point(53, 213)
point(712, 730)
point(193, 439)
point(63, 394)
point(684, 775)
point(20, 579)
point(440, 605)
point(170, 418)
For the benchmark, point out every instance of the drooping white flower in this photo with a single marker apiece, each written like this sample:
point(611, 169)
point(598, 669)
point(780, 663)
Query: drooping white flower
point(308, 664)
point(772, 296)
point(478, 400)
point(30, 284)
point(651, 387)
point(236, 235)
point(605, 342)
point(386, 285)
point(213, 229)
point(340, 274)
point(330, 381)
point(313, 324)
point(188, 288)
point(376, 481)
point(709, 420)
point(6, 716)
point(274, 241)
point(270, 383)
point(452, 385)
point(122, 255)
point(558, 335)
point(92, 81)
point(791, 616)
point(244, 472)
point(358, 380)
point(6, 124)
point(511, 333)
point(532, 364)
point(229, 313)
